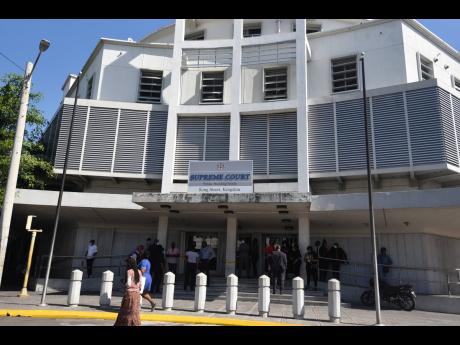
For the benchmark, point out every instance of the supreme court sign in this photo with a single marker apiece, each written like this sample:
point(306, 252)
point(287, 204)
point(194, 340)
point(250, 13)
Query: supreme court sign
point(220, 177)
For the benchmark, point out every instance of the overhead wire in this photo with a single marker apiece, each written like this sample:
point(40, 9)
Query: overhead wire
point(14, 63)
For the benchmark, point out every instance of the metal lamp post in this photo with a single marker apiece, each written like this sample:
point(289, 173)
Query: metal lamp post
point(61, 192)
point(10, 190)
point(371, 208)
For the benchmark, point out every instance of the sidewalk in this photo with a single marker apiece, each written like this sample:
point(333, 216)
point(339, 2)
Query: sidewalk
point(247, 314)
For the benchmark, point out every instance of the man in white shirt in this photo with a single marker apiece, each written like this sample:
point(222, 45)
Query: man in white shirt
point(172, 256)
point(90, 255)
point(191, 260)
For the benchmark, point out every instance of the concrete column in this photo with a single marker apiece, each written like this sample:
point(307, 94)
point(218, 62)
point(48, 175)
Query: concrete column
point(171, 128)
point(73, 296)
point(232, 294)
point(168, 291)
point(234, 153)
point(162, 233)
point(298, 298)
point(333, 296)
point(230, 250)
point(200, 292)
point(304, 240)
point(302, 107)
point(264, 295)
point(105, 297)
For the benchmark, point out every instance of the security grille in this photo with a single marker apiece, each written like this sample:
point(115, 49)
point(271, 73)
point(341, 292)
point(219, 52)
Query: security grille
point(219, 57)
point(156, 138)
point(276, 53)
point(150, 86)
point(212, 87)
point(275, 83)
point(426, 68)
point(89, 88)
point(344, 74)
point(252, 29)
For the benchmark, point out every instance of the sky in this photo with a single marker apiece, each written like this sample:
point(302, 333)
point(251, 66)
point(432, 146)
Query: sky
point(73, 40)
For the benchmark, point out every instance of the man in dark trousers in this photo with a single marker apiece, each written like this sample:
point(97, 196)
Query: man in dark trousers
point(278, 266)
point(254, 256)
point(157, 260)
point(323, 256)
point(338, 257)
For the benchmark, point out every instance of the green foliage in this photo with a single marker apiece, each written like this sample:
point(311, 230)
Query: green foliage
point(34, 170)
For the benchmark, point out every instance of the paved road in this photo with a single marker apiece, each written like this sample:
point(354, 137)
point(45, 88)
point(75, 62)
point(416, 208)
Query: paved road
point(32, 321)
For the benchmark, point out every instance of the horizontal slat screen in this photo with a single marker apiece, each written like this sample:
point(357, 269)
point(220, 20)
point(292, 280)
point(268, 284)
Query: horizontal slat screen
point(207, 57)
point(217, 138)
point(283, 143)
point(189, 142)
point(456, 107)
point(269, 53)
point(254, 141)
point(156, 138)
point(450, 143)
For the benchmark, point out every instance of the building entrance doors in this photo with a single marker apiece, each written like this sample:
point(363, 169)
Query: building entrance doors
point(214, 240)
point(286, 241)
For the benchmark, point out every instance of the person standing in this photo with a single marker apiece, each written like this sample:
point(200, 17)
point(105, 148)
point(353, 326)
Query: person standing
point(338, 257)
point(191, 260)
point(90, 254)
point(311, 266)
point(296, 260)
point(243, 255)
point(268, 255)
point(206, 255)
point(129, 314)
point(144, 266)
point(172, 256)
point(323, 261)
point(384, 262)
point(137, 253)
point(278, 268)
point(254, 256)
point(157, 261)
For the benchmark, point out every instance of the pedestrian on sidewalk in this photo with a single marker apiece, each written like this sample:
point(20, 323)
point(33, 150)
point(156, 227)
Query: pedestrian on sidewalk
point(206, 255)
point(191, 258)
point(157, 260)
point(311, 266)
point(129, 314)
point(278, 268)
point(172, 256)
point(243, 255)
point(144, 266)
point(296, 260)
point(90, 254)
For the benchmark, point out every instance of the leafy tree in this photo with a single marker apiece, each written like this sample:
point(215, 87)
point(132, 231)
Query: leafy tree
point(34, 169)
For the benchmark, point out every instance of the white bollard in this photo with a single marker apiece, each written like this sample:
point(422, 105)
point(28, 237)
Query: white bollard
point(105, 297)
point(200, 292)
point(334, 300)
point(232, 294)
point(74, 288)
point(168, 291)
point(264, 295)
point(298, 298)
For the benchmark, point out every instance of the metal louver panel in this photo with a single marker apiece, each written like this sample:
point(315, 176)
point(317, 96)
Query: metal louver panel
point(254, 141)
point(283, 143)
point(448, 127)
point(269, 53)
point(321, 138)
point(456, 108)
point(207, 57)
point(217, 138)
point(189, 142)
point(351, 136)
point(130, 141)
point(156, 138)
point(100, 138)
point(391, 147)
point(425, 127)
point(77, 136)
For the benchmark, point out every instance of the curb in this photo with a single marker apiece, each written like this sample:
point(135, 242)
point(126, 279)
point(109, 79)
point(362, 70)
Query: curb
point(205, 320)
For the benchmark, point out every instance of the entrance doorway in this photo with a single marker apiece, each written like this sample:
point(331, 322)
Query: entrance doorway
point(213, 240)
point(286, 241)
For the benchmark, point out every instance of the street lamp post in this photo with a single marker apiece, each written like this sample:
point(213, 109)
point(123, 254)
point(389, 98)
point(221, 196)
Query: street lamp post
point(61, 192)
point(371, 207)
point(10, 190)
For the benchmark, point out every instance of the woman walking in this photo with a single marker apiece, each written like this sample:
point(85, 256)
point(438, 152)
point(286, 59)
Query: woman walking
point(129, 314)
point(144, 266)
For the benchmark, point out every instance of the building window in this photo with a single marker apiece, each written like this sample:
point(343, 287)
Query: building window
point(89, 88)
point(312, 28)
point(150, 86)
point(252, 30)
point(212, 87)
point(195, 36)
point(275, 83)
point(456, 83)
point(344, 74)
point(426, 68)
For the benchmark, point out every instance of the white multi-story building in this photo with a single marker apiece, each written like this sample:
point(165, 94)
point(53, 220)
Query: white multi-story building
point(286, 94)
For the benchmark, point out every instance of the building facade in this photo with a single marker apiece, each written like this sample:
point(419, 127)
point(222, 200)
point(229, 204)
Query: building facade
point(287, 95)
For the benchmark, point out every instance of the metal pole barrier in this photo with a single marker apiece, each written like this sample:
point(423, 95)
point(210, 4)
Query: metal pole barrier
point(371, 208)
point(61, 192)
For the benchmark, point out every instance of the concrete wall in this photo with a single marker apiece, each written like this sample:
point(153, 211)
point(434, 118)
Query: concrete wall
point(120, 187)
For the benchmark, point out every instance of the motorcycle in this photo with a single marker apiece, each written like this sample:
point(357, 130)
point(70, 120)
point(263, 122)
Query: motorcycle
point(400, 295)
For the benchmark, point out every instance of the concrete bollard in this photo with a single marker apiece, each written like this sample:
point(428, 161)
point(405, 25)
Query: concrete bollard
point(105, 297)
point(334, 300)
point(200, 292)
point(232, 294)
point(298, 298)
point(168, 291)
point(264, 295)
point(74, 288)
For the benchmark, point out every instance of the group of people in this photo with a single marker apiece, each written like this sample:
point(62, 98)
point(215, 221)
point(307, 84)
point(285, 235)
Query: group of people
point(247, 257)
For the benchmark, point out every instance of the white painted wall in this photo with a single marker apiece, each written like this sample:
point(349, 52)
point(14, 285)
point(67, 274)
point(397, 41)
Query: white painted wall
point(213, 28)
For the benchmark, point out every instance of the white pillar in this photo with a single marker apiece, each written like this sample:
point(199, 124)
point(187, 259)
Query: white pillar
point(264, 295)
point(168, 291)
point(333, 287)
point(230, 250)
point(302, 108)
point(304, 240)
point(234, 153)
point(200, 292)
point(174, 101)
point(162, 232)
point(73, 296)
point(232, 294)
point(298, 298)
point(105, 297)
